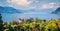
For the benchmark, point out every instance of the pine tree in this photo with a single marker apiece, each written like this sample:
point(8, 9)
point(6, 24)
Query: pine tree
point(1, 23)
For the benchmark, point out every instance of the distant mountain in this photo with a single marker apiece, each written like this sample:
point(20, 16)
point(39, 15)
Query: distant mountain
point(8, 10)
point(57, 11)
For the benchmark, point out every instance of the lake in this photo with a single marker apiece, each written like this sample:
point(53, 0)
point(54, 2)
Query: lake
point(9, 17)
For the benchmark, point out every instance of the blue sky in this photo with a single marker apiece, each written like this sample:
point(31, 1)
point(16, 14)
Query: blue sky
point(32, 6)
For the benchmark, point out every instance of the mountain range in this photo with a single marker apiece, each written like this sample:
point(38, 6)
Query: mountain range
point(8, 10)
point(57, 11)
point(13, 10)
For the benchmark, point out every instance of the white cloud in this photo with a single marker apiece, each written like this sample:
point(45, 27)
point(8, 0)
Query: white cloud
point(19, 2)
point(0, 4)
point(31, 4)
point(35, 13)
point(50, 5)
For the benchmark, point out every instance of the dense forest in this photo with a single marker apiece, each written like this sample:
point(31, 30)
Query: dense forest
point(30, 25)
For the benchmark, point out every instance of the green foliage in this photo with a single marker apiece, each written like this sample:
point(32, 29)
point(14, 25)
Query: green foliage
point(33, 25)
point(1, 19)
point(1, 23)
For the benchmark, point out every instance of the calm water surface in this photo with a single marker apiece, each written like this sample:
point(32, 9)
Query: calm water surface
point(10, 17)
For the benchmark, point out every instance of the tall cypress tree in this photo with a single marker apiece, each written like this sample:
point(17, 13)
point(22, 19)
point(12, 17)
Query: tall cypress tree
point(1, 19)
point(1, 23)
